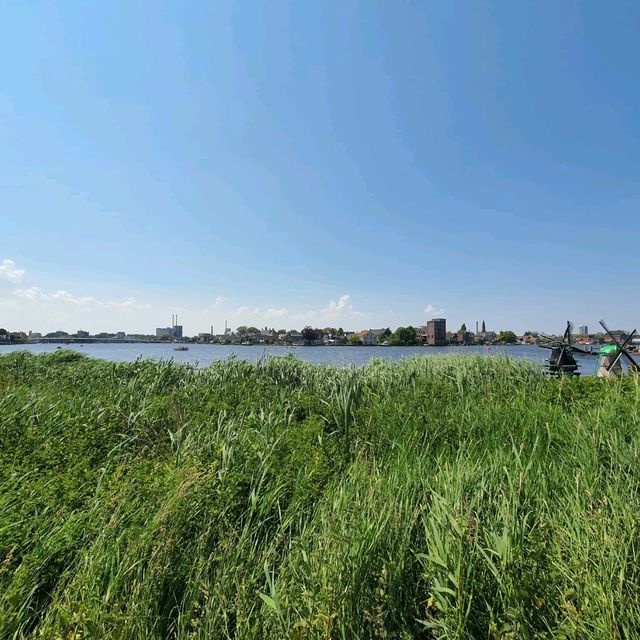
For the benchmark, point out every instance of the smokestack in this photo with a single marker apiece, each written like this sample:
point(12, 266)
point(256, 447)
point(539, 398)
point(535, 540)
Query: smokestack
point(476, 326)
point(212, 331)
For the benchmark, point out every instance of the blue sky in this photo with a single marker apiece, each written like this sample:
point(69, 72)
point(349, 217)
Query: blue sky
point(354, 164)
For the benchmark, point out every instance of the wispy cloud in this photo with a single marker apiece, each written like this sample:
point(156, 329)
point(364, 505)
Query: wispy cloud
point(9, 272)
point(36, 294)
point(341, 309)
point(430, 310)
point(276, 313)
point(219, 301)
point(306, 316)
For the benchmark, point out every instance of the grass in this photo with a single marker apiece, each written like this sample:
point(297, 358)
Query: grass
point(437, 497)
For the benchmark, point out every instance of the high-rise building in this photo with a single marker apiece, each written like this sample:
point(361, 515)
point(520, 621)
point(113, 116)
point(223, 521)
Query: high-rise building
point(437, 332)
point(583, 330)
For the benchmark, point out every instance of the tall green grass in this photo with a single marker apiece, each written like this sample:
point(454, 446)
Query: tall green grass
point(437, 497)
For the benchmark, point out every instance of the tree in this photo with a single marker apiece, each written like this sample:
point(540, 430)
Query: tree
point(355, 339)
point(384, 336)
point(253, 330)
point(242, 330)
point(403, 337)
point(463, 328)
point(507, 337)
point(309, 335)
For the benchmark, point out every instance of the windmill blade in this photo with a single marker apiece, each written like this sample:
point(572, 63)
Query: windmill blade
point(622, 350)
point(567, 332)
point(631, 360)
point(604, 326)
point(579, 350)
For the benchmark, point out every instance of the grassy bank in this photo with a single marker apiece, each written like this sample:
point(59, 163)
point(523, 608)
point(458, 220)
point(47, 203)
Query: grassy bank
point(438, 497)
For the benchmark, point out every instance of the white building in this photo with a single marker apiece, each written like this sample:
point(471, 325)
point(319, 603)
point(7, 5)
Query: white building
point(370, 337)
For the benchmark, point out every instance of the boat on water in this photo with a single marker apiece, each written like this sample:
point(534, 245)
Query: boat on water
point(182, 347)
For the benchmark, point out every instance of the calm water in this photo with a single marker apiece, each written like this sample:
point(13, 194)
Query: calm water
point(205, 354)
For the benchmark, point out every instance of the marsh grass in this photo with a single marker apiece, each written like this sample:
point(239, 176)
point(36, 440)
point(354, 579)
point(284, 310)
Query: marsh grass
point(443, 497)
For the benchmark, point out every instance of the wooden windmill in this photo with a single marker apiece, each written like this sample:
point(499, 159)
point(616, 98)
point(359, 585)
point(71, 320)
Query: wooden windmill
point(609, 363)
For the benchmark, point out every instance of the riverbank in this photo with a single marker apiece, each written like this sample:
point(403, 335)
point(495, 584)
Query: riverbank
point(460, 496)
point(203, 355)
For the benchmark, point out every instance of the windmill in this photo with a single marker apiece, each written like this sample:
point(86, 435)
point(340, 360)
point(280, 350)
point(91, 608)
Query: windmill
point(561, 360)
point(609, 361)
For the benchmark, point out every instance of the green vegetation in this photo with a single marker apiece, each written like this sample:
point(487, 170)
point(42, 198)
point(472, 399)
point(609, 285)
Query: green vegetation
point(438, 497)
point(507, 337)
point(310, 335)
point(403, 337)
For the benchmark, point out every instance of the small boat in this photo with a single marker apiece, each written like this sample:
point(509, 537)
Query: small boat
point(182, 347)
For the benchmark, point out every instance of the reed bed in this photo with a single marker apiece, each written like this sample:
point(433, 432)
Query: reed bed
point(438, 497)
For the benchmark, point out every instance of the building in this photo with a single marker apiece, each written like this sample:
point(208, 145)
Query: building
point(617, 334)
point(370, 337)
point(463, 337)
point(437, 332)
point(583, 330)
point(174, 332)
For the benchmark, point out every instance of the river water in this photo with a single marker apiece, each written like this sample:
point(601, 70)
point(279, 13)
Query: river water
point(204, 354)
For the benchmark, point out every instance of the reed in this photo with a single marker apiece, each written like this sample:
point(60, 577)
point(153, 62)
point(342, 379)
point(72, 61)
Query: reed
point(436, 497)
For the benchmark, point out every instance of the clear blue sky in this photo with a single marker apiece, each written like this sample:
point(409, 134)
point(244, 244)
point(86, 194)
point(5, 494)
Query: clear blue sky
point(338, 163)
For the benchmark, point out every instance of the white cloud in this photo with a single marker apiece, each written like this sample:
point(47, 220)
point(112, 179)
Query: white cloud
point(219, 301)
point(129, 303)
point(276, 313)
point(36, 294)
point(430, 310)
point(246, 311)
point(9, 272)
point(341, 309)
point(306, 316)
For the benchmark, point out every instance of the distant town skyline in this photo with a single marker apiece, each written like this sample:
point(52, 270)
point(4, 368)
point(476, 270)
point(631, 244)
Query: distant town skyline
point(29, 308)
point(337, 163)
